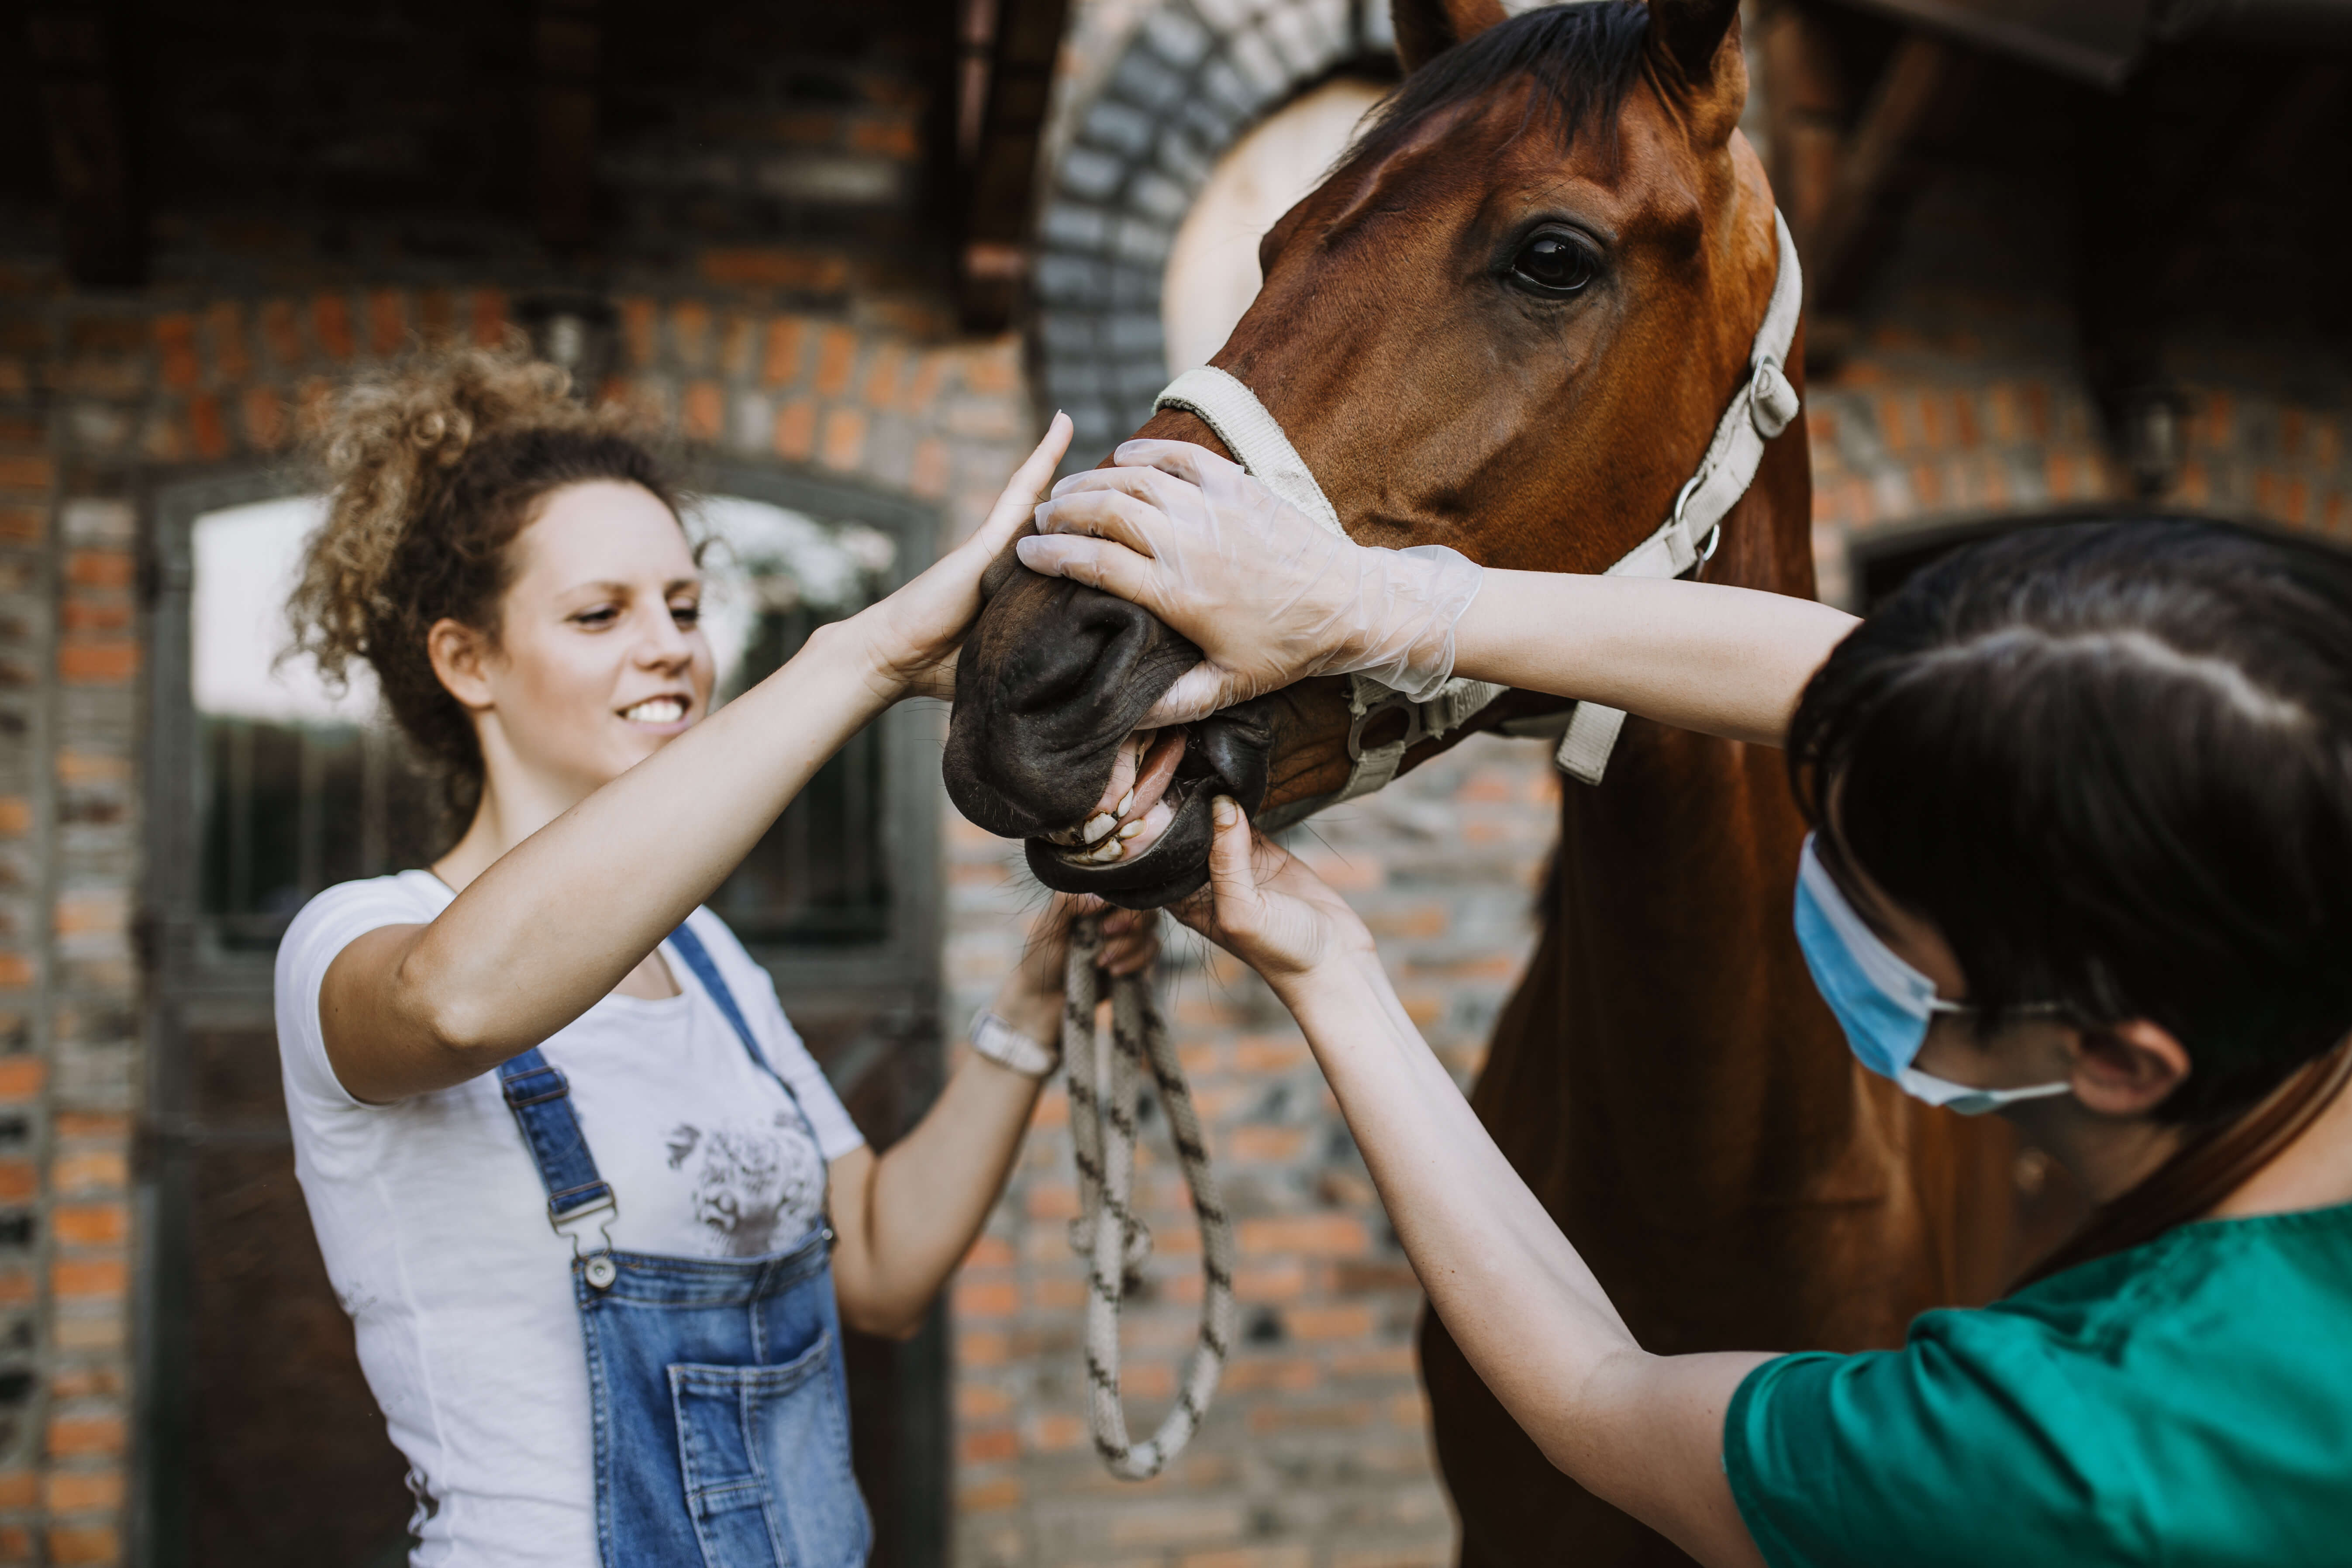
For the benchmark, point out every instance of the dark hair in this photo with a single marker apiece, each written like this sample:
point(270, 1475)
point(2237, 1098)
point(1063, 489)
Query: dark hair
point(1582, 60)
point(2112, 762)
point(432, 469)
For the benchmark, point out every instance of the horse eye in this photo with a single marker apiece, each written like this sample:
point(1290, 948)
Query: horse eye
point(1554, 263)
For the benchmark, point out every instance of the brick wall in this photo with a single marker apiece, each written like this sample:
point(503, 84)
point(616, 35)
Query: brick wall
point(1315, 1452)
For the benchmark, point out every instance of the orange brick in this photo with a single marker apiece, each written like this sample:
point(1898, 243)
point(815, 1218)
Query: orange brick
point(1250, 1557)
point(79, 616)
point(16, 1287)
point(16, 1544)
point(436, 314)
point(982, 1347)
point(883, 375)
point(225, 324)
point(96, 1278)
point(387, 321)
point(281, 331)
point(1057, 1433)
point(986, 1299)
point(98, 664)
point(996, 368)
point(990, 1252)
point(206, 428)
point(1273, 1144)
point(16, 969)
point(779, 359)
point(19, 1183)
point(640, 330)
point(90, 1171)
point(79, 1491)
point(989, 1497)
point(837, 356)
point(796, 430)
point(775, 266)
point(26, 471)
point(100, 568)
point(91, 1224)
point(989, 1448)
point(1343, 1323)
point(16, 817)
point(689, 334)
point(86, 1434)
point(73, 1124)
point(175, 349)
point(896, 141)
point(19, 1489)
point(22, 524)
point(90, 1544)
point(264, 417)
point(489, 317)
point(331, 324)
point(844, 439)
point(705, 411)
point(21, 1077)
point(982, 1402)
point(1312, 1235)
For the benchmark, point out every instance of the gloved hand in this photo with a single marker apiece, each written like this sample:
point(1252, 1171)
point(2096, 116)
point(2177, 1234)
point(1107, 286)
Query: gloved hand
point(1267, 593)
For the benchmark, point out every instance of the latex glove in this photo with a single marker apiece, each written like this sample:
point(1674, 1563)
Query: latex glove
point(1267, 594)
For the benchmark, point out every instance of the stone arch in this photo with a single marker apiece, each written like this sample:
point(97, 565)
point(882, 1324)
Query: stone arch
point(1185, 86)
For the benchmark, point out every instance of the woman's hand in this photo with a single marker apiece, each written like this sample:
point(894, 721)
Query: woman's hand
point(1268, 593)
point(1030, 999)
point(913, 635)
point(1266, 908)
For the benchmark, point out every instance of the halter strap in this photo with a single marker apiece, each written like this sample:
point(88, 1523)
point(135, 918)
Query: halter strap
point(1760, 409)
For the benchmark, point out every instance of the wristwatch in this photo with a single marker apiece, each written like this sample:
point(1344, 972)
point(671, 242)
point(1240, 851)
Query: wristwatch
point(1007, 1047)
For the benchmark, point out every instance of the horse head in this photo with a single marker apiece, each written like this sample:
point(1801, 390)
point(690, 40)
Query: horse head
point(1508, 321)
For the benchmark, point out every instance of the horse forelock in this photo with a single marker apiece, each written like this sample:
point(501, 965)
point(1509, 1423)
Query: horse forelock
point(1579, 61)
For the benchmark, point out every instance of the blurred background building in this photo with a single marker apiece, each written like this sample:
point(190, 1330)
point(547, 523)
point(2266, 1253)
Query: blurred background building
point(2060, 255)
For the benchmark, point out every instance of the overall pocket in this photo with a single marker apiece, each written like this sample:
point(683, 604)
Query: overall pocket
point(765, 1452)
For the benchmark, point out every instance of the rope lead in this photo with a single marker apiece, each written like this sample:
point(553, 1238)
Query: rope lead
point(1105, 1085)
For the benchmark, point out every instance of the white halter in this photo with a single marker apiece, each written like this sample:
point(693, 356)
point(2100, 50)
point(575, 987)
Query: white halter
point(1760, 410)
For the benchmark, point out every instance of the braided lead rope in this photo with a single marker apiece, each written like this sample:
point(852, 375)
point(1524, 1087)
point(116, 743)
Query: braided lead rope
point(1104, 1088)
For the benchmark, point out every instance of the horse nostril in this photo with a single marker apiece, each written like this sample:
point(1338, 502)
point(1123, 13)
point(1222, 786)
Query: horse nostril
point(1085, 659)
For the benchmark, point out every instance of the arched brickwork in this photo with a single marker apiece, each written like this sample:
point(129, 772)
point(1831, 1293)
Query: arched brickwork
point(1192, 76)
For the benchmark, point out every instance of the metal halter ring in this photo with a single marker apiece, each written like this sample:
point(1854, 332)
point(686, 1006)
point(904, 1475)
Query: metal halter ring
point(1682, 500)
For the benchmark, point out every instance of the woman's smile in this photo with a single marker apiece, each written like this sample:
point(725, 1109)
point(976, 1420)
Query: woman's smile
point(665, 713)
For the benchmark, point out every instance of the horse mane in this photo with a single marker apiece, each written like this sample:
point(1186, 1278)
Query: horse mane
point(1581, 57)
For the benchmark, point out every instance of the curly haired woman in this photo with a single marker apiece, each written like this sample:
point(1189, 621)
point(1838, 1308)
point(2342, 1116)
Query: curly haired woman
point(510, 1075)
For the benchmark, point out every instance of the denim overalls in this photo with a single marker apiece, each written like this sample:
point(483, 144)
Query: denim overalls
point(716, 1387)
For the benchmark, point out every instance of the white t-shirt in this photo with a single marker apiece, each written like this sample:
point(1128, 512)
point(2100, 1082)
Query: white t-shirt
point(433, 1224)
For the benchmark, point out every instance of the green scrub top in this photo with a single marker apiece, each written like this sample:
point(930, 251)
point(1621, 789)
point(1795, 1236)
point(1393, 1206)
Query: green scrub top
point(2186, 1403)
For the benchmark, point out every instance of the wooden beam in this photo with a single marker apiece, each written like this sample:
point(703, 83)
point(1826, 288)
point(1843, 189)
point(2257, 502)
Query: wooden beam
point(82, 104)
point(566, 35)
point(1916, 98)
point(1805, 103)
point(1001, 178)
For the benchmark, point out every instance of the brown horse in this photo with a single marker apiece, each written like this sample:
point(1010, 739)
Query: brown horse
point(1508, 322)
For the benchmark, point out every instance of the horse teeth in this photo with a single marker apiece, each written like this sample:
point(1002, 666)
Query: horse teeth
point(1131, 830)
point(1100, 823)
point(1107, 852)
point(1124, 801)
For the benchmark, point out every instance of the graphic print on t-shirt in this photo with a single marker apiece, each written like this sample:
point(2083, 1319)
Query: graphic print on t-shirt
point(756, 1188)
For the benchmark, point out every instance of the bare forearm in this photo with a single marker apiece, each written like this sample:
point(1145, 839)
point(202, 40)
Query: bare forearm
point(926, 1200)
point(556, 922)
point(1726, 661)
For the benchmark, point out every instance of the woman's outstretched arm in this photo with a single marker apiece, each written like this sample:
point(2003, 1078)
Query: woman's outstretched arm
point(1639, 1431)
point(1270, 597)
point(557, 921)
point(906, 1218)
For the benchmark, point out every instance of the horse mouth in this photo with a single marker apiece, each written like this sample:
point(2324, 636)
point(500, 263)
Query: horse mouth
point(1146, 843)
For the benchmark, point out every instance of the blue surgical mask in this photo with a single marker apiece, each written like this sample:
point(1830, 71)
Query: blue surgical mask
point(1883, 1004)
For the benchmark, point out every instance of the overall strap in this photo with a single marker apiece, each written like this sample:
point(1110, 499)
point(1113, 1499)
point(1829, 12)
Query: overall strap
point(540, 1097)
point(706, 970)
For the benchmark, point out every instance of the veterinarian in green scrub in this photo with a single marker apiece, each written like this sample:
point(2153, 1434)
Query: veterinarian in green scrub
point(2082, 801)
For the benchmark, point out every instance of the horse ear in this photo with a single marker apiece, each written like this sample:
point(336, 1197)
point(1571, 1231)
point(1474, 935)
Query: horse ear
point(1689, 33)
point(1427, 27)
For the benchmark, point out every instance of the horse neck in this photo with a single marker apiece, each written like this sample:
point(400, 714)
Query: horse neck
point(1671, 899)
